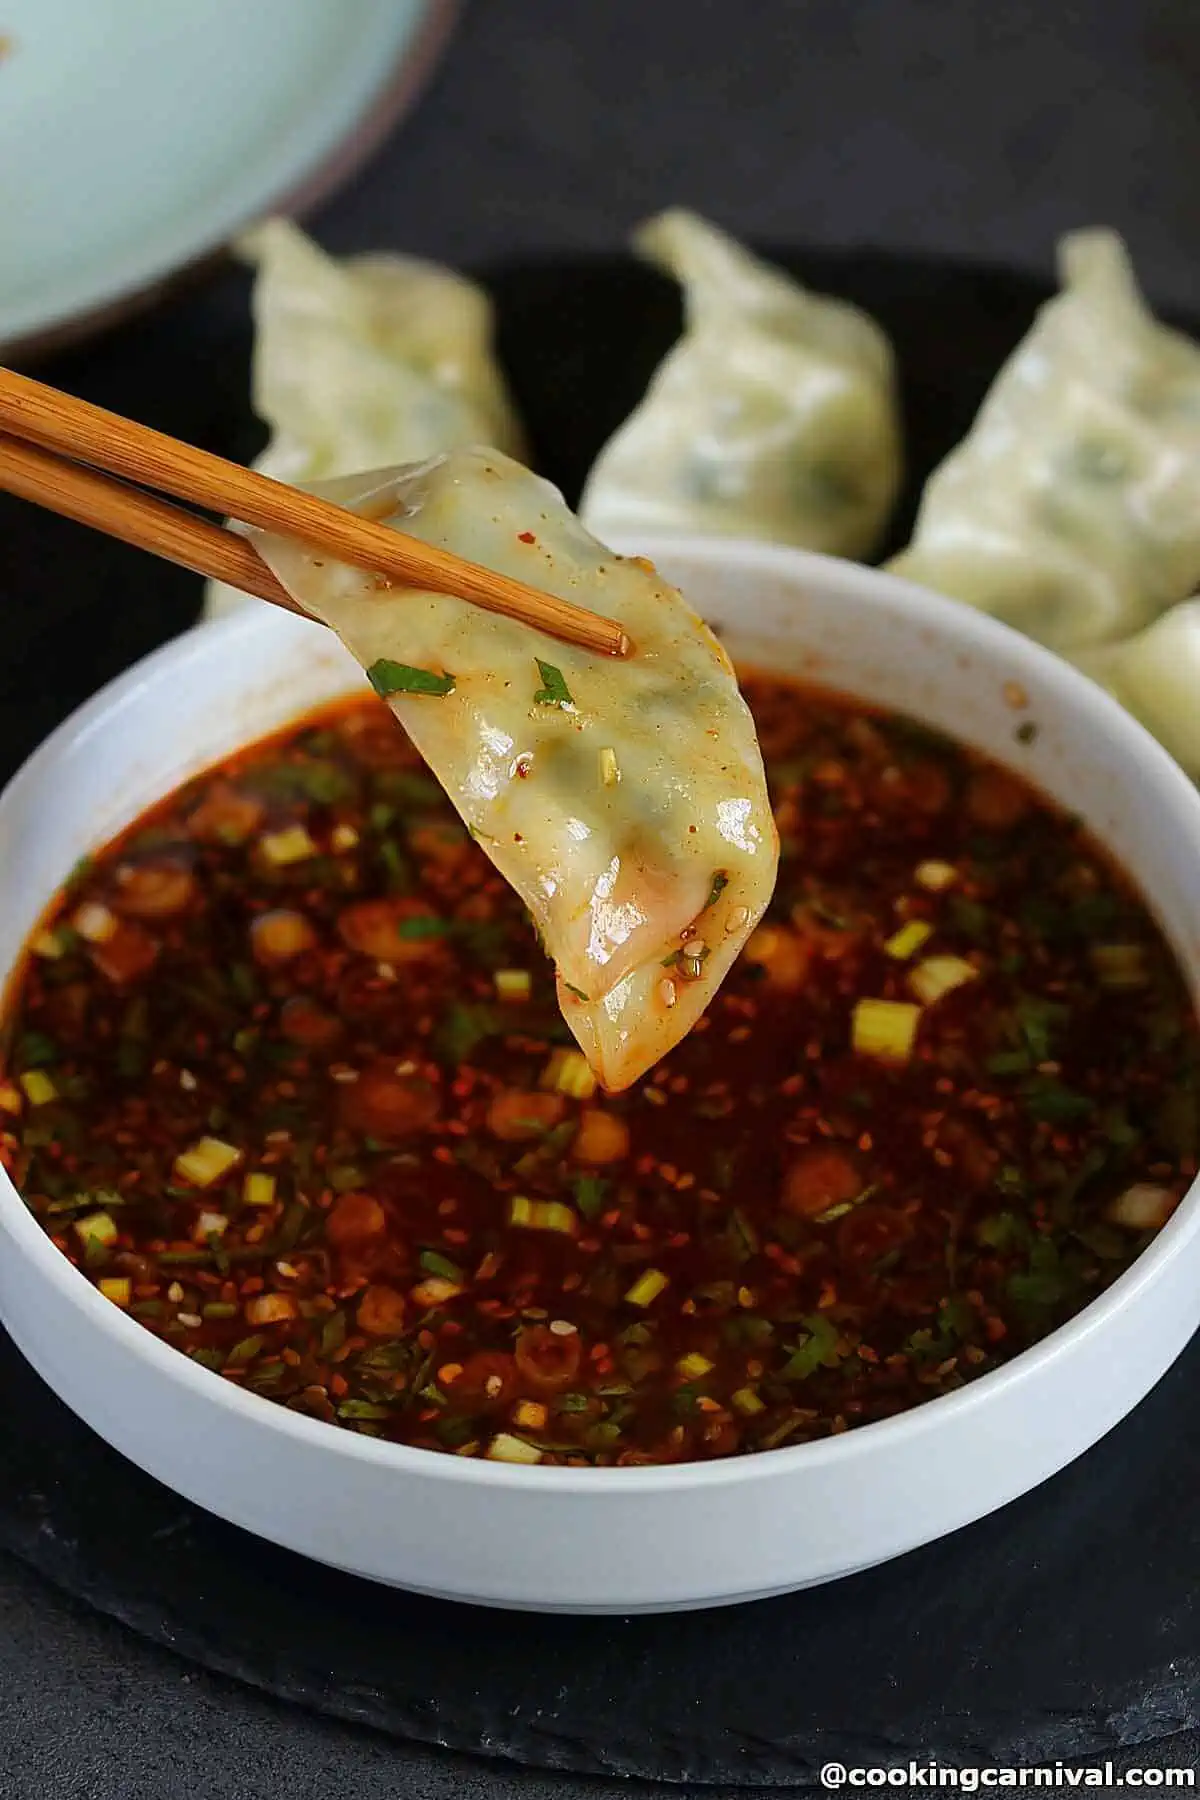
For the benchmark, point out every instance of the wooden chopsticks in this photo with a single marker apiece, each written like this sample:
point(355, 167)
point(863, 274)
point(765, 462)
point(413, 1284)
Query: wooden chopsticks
point(40, 426)
point(138, 519)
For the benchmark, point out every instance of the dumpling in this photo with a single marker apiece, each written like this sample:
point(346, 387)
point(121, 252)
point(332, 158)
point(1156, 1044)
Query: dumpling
point(625, 801)
point(774, 416)
point(1072, 507)
point(359, 364)
point(1156, 676)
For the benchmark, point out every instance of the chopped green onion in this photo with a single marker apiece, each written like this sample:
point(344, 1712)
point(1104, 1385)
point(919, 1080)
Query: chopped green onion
point(258, 1189)
point(590, 1191)
point(95, 923)
point(1143, 1207)
point(333, 1333)
point(464, 1028)
point(569, 1072)
point(206, 1161)
point(291, 845)
point(434, 1263)
point(506, 1448)
point(720, 882)
point(362, 1409)
point(908, 940)
point(969, 917)
point(938, 976)
point(748, 1401)
point(743, 1236)
point(97, 1229)
point(647, 1288)
point(885, 1029)
point(291, 1226)
point(345, 1177)
point(39, 1089)
point(542, 1215)
point(423, 926)
point(935, 876)
point(388, 678)
point(1119, 965)
point(514, 985)
point(1037, 1020)
point(1053, 1104)
point(820, 1349)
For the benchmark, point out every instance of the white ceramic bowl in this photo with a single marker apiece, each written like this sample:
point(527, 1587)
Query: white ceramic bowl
point(631, 1539)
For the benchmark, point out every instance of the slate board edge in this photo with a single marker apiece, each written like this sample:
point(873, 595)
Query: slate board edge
point(1175, 1689)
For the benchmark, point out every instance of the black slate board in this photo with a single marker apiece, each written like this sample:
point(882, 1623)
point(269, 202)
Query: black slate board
point(1066, 1624)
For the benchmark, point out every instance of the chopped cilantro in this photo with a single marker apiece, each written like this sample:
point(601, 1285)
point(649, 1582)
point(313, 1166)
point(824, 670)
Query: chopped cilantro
point(720, 882)
point(554, 690)
point(464, 1029)
point(1051, 1103)
point(590, 1191)
point(819, 1349)
point(423, 926)
point(388, 678)
point(434, 1263)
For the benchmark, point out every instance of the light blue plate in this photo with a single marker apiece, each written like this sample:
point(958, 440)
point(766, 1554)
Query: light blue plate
point(137, 135)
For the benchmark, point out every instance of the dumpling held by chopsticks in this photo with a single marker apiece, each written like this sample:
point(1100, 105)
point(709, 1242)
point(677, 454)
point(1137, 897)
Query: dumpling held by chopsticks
point(625, 801)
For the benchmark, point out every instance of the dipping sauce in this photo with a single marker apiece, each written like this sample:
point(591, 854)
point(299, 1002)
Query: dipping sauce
point(284, 1075)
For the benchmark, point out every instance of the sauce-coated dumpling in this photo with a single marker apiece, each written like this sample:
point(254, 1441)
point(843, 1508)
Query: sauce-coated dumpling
point(773, 417)
point(625, 801)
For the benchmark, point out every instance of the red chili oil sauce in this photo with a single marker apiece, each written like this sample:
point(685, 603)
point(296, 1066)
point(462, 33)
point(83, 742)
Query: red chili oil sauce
point(284, 1074)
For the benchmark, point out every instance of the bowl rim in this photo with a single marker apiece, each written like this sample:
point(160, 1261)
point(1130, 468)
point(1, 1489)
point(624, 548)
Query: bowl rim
point(861, 585)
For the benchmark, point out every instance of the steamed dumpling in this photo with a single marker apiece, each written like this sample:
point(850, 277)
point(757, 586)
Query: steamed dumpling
point(364, 363)
point(1156, 676)
point(1072, 508)
point(773, 417)
point(624, 800)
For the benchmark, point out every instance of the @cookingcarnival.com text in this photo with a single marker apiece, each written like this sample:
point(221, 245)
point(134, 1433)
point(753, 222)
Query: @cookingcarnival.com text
point(978, 1780)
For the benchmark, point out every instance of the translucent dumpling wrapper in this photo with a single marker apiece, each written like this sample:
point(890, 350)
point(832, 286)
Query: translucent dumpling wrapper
point(624, 800)
point(365, 363)
point(774, 416)
point(1071, 510)
point(1156, 676)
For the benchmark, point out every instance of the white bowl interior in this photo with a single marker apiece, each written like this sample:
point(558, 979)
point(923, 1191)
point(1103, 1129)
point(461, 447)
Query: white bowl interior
point(630, 1539)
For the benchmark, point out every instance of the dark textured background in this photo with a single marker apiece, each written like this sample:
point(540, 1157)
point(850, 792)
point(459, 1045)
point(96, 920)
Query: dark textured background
point(965, 126)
